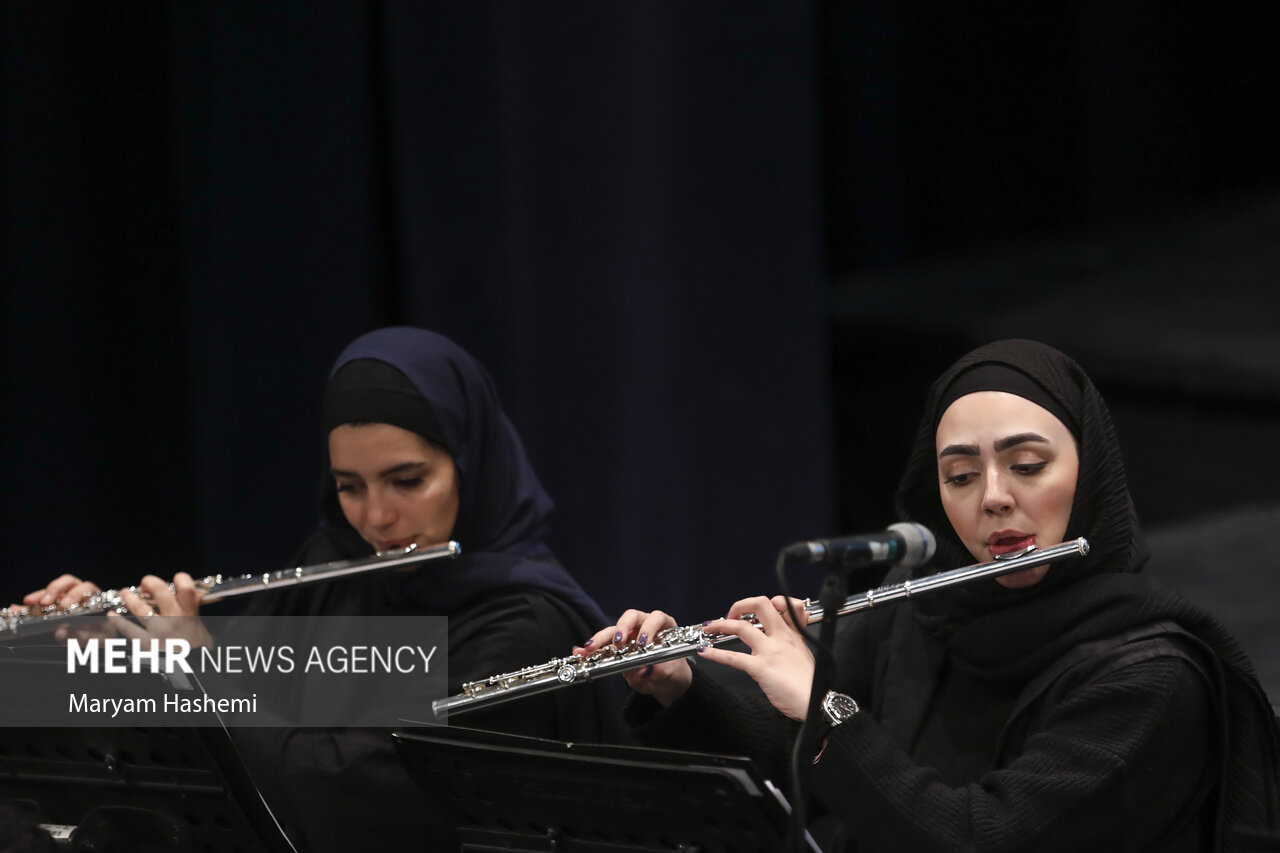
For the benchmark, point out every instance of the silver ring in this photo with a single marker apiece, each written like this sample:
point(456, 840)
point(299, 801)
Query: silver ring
point(150, 613)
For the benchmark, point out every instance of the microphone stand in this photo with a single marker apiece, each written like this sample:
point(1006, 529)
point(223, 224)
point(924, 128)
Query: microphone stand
point(831, 597)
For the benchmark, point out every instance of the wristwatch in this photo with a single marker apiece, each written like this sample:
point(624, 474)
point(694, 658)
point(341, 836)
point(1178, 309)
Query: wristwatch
point(837, 708)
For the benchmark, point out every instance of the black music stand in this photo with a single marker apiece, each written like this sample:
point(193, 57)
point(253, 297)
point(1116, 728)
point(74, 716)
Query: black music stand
point(511, 793)
point(138, 789)
point(132, 789)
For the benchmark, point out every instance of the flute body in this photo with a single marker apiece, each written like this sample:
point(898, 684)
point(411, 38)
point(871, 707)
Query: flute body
point(684, 641)
point(25, 621)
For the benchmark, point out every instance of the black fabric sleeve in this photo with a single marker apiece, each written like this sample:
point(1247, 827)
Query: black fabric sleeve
point(714, 717)
point(1117, 765)
point(499, 635)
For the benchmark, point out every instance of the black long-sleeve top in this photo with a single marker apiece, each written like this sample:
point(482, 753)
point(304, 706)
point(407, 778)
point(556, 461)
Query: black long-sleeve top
point(1120, 753)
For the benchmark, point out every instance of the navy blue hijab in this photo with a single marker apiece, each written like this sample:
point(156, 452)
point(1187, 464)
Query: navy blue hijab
point(503, 510)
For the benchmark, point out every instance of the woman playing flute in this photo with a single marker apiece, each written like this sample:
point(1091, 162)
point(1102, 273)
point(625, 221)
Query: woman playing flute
point(1076, 707)
point(418, 452)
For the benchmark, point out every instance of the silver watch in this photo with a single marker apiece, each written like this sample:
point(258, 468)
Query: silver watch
point(837, 708)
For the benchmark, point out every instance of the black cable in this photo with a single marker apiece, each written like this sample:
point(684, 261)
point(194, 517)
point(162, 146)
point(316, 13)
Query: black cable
point(833, 594)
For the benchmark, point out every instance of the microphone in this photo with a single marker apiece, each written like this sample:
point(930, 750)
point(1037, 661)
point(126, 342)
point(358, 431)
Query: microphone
point(905, 543)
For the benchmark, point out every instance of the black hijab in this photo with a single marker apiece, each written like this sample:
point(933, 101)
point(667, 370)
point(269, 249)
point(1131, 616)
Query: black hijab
point(1102, 511)
point(998, 633)
point(979, 619)
point(423, 382)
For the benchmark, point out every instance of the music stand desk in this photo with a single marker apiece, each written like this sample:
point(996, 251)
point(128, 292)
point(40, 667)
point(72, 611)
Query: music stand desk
point(131, 788)
point(511, 793)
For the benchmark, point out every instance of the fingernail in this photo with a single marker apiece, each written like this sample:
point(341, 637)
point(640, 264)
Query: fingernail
point(702, 647)
point(617, 638)
point(642, 639)
point(587, 643)
point(647, 671)
point(705, 624)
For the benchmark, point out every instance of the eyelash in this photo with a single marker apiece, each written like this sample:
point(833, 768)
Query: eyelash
point(404, 483)
point(1026, 469)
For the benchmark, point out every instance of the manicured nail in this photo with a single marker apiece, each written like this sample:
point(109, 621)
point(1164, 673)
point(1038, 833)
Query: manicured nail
point(705, 624)
point(587, 643)
point(647, 671)
point(617, 638)
point(702, 647)
point(642, 639)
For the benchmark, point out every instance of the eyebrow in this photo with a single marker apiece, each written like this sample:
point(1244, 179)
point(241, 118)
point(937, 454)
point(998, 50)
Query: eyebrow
point(390, 472)
point(1020, 438)
point(1000, 445)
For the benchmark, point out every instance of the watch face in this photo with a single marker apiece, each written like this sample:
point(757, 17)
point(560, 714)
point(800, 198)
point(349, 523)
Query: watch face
point(838, 707)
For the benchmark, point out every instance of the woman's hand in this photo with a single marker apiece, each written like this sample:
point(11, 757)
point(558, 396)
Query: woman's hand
point(666, 681)
point(780, 661)
point(170, 613)
point(64, 592)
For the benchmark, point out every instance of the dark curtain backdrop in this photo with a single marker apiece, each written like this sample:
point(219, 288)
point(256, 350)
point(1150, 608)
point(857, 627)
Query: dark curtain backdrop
point(614, 206)
point(712, 253)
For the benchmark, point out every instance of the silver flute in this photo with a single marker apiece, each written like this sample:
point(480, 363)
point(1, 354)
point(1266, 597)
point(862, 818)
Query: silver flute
point(25, 621)
point(679, 642)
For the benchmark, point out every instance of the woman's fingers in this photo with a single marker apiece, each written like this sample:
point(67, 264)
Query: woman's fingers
point(788, 606)
point(780, 661)
point(186, 592)
point(164, 613)
point(141, 610)
point(666, 681)
point(740, 661)
point(747, 631)
point(652, 625)
point(633, 626)
point(63, 591)
point(52, 593)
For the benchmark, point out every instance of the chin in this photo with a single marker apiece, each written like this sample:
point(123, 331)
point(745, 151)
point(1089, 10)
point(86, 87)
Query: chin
point(1024, 578)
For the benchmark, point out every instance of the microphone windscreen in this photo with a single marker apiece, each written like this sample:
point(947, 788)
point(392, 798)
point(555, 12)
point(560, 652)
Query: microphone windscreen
point(919, 541)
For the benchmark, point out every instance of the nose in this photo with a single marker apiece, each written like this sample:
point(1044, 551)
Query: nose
point(379, 512)
point(996, 499)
